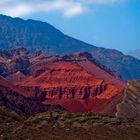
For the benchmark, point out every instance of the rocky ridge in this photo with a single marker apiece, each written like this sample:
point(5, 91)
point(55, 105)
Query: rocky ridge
point(129, 108)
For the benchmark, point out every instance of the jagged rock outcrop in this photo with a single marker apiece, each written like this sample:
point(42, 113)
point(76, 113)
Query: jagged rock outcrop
point(129, 108)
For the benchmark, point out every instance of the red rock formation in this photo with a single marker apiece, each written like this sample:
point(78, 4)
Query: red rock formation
point(100, 73)
point(66, 80)
point(75, 87)
point(75, 81)
point(106, 102)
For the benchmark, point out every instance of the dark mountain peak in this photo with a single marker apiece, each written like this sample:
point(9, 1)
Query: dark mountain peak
point(35, 35)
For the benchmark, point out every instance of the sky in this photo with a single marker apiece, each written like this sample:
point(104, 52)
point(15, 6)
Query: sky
point(111, 24)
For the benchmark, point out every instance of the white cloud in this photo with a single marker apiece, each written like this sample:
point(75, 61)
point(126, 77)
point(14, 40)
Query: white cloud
point(69, 8)
point(23, 8)
point(18, 10)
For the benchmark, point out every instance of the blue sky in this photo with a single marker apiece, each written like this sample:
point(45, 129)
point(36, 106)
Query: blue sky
point(112, 24)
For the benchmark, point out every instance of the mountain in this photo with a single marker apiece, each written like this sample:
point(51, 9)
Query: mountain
point(76, 82)
point(37, 35)
point(70, 85)
point(135, 53)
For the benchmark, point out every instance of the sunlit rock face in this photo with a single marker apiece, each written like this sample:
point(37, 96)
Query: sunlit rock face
point(74, 87)
point(66, 80)
point(129, 108)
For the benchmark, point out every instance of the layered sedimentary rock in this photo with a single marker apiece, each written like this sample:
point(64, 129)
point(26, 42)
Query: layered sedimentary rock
point(65, 80)
point(74, 87)
point(129, 108)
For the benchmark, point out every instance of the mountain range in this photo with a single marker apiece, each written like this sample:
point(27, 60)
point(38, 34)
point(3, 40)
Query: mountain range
point(37, 35)
point(53, 86)
point(73, 83)
point(76, 82)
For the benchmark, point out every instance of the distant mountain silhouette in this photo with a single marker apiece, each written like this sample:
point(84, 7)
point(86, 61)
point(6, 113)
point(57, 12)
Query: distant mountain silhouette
point(37, 35)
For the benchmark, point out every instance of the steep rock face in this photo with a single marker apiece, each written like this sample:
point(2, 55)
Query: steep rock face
point(129, 108)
